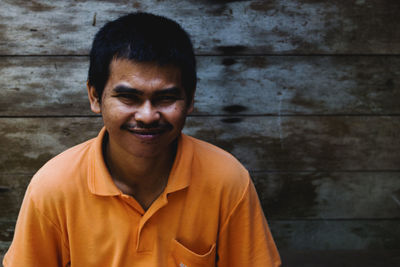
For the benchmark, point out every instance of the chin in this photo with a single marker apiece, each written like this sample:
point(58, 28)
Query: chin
point(146, 154)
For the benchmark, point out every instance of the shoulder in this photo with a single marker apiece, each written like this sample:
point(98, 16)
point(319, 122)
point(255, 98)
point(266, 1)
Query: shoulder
point(218, 168)
point(218, 180)
point(60, 175)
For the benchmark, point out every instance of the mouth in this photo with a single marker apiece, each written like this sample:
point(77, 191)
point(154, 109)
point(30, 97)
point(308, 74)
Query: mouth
point(147, 134)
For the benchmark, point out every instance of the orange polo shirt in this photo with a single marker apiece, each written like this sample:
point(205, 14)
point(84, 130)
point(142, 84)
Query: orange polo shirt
point(208, 215)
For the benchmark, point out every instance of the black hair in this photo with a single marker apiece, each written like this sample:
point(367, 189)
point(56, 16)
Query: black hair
point(142, 37)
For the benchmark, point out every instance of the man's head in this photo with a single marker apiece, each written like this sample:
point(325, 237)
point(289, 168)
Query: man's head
point(142, 79)
point(142, 37)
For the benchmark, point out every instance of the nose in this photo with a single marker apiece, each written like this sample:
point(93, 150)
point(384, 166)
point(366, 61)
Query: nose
point(146, 113)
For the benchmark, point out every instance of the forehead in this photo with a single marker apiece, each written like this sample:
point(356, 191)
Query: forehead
point(143, 75)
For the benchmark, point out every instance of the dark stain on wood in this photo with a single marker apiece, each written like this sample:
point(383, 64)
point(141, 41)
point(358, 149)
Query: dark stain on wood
point(220, 10)
point(231, 49)
point(35, 6)
point(257, 62)
point(4, 189)
point(234, 108)
point(223, 1)
point(228, 61)
point(231, 120)
point(390, 84)
point(263, 6)
point(136, 5)
point(303, 191)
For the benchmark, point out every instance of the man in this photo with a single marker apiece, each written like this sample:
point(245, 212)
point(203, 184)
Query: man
point(142, 193)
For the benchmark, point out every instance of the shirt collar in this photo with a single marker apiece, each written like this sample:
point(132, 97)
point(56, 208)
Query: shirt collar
point(181, 172)
point(101, 183)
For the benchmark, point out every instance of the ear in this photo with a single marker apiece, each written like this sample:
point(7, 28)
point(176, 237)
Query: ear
point(93, 99)
point(190, 107)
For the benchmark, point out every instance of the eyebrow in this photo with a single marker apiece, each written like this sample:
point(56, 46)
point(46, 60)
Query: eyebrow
point(169, 91)
point(120, 89)
point(126, 89)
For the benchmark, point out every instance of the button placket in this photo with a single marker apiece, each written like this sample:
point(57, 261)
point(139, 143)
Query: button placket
point(147, 231)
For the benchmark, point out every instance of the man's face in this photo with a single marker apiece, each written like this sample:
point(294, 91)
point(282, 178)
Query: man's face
point(144, 107)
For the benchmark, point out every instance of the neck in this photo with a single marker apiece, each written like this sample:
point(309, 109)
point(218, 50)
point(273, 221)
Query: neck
point(144, 178)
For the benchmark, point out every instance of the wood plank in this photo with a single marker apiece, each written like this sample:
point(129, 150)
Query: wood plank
point(218, 27)
point(308, 143)
point(285, 196)
point(342, 258)
point(329, 195)
point(305, 143)
point(336, 234)
point(55, 86)
point(12, 191)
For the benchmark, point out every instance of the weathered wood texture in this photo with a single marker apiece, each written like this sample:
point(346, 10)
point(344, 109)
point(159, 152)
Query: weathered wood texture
point(329, 195)
point(55, 86)
point(336, 234)
point(318, 130)
point(261, 143)
point(240, 27)
point(342, 258)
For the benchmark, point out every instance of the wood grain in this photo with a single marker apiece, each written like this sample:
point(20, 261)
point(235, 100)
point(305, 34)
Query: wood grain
point(304, 92)
point(217, 27)
point(336, 234)
point(55, 86)
point(329, 195)
point(343, 258)
point(261, 143)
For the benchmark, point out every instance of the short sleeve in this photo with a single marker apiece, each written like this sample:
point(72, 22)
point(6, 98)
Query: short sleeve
point(245, 238)
point(37, 240)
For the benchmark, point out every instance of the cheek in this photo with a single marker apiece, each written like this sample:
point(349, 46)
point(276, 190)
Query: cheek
point(175, 111)
point(115, 113)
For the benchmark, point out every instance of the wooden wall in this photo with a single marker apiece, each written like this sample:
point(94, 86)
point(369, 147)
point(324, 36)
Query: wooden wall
point(306, 93)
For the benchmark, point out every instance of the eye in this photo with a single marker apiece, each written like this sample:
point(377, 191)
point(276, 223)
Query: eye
point(166, 99)
point(128, 98)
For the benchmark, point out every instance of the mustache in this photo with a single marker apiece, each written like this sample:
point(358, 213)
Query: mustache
point(143, 126)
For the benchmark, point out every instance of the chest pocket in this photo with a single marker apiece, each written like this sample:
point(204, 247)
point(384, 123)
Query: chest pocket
point(183, 257)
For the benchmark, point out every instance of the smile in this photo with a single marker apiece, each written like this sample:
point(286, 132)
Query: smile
point(147, 134)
